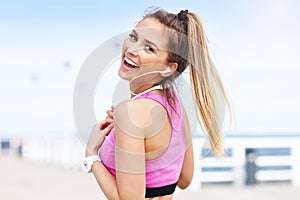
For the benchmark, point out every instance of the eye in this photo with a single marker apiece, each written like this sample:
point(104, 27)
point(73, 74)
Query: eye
point(133, 37)
point(149, 48)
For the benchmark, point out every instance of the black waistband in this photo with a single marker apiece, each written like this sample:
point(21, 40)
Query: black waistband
point(160, 191)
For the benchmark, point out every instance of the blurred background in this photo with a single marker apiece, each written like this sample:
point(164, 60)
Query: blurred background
point(43, 45)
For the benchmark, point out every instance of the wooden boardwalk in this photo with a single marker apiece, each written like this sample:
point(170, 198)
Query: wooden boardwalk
point(26, 180)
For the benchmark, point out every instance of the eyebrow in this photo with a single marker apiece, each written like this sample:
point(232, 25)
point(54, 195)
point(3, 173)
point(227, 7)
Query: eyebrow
point(148, 41)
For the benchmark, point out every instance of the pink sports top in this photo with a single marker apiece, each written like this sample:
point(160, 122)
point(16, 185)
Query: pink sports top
point(163, 171)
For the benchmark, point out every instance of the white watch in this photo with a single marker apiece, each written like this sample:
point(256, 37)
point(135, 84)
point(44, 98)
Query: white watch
point(89, 161)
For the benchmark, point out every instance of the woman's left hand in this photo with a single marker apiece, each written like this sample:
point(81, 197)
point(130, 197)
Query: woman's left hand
point(97, 137)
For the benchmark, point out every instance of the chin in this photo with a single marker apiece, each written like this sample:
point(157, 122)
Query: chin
point(123, 75)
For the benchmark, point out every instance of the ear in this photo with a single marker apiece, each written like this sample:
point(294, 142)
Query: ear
point(173, 67)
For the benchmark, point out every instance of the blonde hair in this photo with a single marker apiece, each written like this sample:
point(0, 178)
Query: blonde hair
point(206, 83)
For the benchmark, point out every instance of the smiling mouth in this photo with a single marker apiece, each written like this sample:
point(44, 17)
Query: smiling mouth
point(130, 63)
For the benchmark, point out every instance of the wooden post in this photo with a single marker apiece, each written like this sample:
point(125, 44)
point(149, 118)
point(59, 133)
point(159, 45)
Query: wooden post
point(238, 158)
point(196, 182)
point(295, 153)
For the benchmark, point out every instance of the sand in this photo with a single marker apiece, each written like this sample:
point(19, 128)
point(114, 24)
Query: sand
point(22, 180)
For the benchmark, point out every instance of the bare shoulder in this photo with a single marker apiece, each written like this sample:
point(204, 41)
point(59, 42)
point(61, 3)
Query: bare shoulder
point(139, 116)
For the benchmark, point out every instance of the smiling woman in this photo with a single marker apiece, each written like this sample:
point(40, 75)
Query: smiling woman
point(143, 148)
point(145, 50)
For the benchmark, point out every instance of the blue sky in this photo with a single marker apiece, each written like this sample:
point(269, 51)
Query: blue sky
point(255, 44)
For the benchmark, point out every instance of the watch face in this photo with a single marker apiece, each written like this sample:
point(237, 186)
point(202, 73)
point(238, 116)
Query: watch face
point(88, 162)
point(85, 165)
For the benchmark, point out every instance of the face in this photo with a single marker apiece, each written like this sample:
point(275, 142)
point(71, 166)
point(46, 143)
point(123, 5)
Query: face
point(144, 54)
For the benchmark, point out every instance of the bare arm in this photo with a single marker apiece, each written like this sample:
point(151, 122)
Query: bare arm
point(129, 156)
point(130, 150)
point(104, 179)
point(187, 170)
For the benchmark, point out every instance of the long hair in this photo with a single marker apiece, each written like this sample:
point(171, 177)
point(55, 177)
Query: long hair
point(207, 86)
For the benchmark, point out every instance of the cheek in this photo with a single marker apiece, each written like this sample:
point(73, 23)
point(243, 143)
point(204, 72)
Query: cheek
point(155, 59)
point(125, 46)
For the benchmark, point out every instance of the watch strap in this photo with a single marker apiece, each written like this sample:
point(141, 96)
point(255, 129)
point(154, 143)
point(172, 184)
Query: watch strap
point(89, 161)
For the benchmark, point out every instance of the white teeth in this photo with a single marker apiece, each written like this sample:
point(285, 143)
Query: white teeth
point(130, 62)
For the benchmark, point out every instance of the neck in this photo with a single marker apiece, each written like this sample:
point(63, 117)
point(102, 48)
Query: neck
point(143, 90)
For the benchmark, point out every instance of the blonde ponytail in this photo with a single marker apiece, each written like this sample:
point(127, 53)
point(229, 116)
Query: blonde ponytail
point(205, 83)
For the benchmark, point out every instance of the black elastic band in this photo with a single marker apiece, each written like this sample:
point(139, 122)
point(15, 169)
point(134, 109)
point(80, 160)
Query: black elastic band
point(160, 191)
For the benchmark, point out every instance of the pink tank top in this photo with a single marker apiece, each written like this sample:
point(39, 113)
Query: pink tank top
point(164, 170)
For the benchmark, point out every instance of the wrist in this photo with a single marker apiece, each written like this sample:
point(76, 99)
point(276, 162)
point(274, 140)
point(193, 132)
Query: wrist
point(89, 161)
point(89, 152)
point(95, 165)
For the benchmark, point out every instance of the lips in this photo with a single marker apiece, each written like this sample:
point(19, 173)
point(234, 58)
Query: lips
point(130, 63)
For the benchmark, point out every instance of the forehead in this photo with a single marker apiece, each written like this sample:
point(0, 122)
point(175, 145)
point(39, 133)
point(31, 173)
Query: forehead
point(154, 31)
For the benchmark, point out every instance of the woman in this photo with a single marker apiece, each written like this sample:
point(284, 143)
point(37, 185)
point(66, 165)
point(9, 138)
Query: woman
point(148, 149)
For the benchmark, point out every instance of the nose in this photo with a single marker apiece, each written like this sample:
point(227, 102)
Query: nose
point(134, 50)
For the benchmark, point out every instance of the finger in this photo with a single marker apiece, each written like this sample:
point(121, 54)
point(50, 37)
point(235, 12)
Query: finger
point(112, 108)
point(103, 124)
point(107, 129)
point(96, 127)
point(109, 119)
point(106, 122)
point(110, 113)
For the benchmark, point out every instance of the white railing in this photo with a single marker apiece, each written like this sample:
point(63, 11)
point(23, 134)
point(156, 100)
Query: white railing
point(64, 151)
point(68, 152)
point(233, 166)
